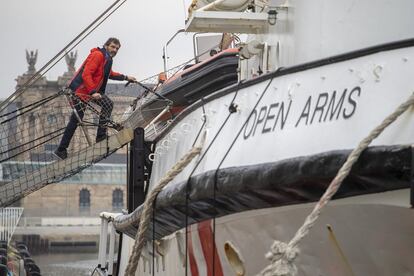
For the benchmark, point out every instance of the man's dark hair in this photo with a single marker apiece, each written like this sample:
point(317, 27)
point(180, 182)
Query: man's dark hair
point(112, 40)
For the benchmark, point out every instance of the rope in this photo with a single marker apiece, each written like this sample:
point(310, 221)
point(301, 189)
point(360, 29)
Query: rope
point(281, 254)
point(149, 201)
point(36, 104)
point(58, 56)
point(60, 130)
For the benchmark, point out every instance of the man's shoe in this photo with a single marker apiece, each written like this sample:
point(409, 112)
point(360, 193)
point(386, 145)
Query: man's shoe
point(61, 154)
point(100, 138)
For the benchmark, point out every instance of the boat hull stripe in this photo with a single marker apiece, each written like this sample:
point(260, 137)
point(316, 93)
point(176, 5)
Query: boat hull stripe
point(209, 248)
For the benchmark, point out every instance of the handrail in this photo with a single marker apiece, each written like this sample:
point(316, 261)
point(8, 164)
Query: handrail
point(164, 50)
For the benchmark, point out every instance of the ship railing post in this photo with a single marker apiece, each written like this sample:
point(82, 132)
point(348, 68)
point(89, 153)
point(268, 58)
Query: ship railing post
point(136, 169)
point(111, 249)
point(22, 271)
point(102, 243)
point(8, 215)
point(165, 53)
point(412, 178)
point(2, 223)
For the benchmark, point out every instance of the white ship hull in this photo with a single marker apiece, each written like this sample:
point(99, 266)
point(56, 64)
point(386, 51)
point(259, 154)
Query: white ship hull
point(263, 165)
point(372, 235)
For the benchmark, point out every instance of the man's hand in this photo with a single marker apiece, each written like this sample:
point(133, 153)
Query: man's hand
point(96, 96)
point(131, 79)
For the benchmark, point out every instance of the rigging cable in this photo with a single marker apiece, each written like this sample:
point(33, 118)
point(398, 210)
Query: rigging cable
point(69, 46)
point(187, 194)
point(26, 150)
point(24, 144)
point(36, 104)
point(32, 107)
point(153, 236)
point(188, 186)
point(221, 162)
point(241, 129)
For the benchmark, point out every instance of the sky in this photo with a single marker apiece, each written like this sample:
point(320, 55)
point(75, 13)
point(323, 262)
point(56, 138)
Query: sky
point(143, 27)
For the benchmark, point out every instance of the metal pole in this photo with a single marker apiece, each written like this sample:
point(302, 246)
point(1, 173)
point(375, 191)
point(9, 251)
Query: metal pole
point(111, 249)
point(2, 223)
point(119, 253)
point(165, 110)
point(102, 243)
point(164, 50)
point(164, 56)
point(195, 48)
point(104, 239)
point(136, 194)
point(21, 267)
point(8, 214)
point(88, 139)
point(412, 179)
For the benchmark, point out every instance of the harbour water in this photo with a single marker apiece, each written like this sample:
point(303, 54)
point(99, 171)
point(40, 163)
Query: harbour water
point(66, 264)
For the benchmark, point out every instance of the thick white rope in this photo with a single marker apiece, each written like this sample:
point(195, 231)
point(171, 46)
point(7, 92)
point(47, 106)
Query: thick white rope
point(149, 202)
point(281, 254)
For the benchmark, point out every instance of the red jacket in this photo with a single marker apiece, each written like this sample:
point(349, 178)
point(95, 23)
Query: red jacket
point(91, 77)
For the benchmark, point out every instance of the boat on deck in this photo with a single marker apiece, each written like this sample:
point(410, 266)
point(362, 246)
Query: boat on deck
point(196, 81)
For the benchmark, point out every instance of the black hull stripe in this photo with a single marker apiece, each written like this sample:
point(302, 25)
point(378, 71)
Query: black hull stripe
point(290, 181)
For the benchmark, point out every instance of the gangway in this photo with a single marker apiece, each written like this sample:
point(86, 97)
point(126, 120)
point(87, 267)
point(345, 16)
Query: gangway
point(24, 140)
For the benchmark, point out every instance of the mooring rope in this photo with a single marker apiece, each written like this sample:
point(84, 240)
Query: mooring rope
point(149, 202)
point(282, 255)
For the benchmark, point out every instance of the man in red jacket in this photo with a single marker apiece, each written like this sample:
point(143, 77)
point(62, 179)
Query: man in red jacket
point(89, 84)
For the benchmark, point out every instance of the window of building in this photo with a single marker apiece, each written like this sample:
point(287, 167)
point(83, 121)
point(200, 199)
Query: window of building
point(51, 118)
point(50, 147)
point(84, 199)
point(32, 119)
point(117, 199)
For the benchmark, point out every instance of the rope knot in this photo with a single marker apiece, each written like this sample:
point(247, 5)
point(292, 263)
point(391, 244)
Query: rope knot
point(279, 250)
point(282, 256)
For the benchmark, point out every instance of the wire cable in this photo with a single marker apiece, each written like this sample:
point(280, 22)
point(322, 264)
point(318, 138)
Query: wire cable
point(33, 106)
point(44, 142)
point(40, 72)
point(188, 186)
point(40, 102)
point(39, 138)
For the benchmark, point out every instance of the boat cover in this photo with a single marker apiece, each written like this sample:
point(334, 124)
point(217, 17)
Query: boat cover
point(196, 82)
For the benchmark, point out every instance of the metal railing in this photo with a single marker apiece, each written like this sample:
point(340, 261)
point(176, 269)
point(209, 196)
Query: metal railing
point(9, 218)
point(106, 257)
